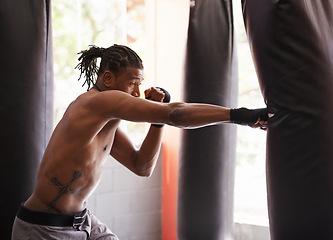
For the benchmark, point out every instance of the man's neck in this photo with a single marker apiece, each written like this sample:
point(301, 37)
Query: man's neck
point(95, 86)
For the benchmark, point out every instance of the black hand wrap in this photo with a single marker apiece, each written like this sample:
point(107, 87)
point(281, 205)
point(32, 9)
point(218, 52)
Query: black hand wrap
point(166, 99)
point(249, 117)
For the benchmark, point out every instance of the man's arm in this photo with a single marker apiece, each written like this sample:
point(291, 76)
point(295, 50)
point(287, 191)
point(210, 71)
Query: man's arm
point(141, 161)
point(115, 104)
point(119, 105)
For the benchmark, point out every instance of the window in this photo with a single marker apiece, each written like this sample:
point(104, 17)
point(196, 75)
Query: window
point(250, 182)
point(78, 24)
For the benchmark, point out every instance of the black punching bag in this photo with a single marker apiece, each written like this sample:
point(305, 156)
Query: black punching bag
point(292, 45)
point(25, 101)
point(207, 155)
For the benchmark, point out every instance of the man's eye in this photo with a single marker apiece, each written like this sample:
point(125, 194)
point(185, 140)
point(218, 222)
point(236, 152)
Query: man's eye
point(135, 83)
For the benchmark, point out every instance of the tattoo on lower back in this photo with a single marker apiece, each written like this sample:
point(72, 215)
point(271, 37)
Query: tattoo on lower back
point(64, 188)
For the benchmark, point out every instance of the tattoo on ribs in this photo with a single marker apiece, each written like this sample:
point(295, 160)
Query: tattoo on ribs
point(64, 188)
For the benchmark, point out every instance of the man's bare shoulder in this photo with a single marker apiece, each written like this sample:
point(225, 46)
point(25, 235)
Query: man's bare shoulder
point(109, 103)
point(98, 100)
point(117, 105)
point(106, 95)
point(84, 114)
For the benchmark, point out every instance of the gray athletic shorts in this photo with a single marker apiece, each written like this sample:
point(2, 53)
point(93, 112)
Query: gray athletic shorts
point(91, 228)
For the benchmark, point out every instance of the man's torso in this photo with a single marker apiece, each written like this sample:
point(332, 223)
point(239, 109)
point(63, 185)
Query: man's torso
point(72, 163)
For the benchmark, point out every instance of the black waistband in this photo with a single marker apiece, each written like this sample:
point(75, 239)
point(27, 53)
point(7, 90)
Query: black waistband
point(52, 219)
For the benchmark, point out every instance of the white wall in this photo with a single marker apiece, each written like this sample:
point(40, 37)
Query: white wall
point(130, 205)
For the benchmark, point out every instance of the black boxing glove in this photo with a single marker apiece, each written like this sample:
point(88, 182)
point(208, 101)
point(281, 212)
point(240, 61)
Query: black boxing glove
point(248, 117)
point(166, 99)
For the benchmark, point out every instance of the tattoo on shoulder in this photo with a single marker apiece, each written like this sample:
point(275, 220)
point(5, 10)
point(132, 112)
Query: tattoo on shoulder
point(64, 188)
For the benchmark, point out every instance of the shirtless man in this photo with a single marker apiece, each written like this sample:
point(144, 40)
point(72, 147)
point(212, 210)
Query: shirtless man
point(88, 132)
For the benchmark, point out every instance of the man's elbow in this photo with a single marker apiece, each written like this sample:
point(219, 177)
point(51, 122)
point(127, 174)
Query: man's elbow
point(146, 173)
point(144, 170)
point(176, 115)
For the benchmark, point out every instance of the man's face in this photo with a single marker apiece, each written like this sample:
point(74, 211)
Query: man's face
point(129, 81)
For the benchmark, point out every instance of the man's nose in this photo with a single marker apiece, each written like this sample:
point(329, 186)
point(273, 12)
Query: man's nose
point(136, 92)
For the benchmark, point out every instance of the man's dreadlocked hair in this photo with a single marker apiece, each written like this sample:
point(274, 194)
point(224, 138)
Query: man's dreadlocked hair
point(113, 58)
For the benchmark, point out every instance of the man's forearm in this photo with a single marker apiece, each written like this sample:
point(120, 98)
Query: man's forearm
point(149, 151)
point(194, 115)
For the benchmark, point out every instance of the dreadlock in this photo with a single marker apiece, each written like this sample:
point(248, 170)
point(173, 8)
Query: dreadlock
point(113, 58)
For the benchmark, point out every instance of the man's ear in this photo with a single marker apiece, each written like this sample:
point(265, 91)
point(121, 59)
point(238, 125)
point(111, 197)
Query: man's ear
point(108, 78)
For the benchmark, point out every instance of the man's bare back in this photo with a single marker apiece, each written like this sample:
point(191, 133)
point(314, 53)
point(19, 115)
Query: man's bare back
point(72, 163)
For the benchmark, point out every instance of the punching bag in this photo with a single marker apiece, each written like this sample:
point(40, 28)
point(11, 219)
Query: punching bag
point(207, 155)
point(292, 45)
point(26, 100)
